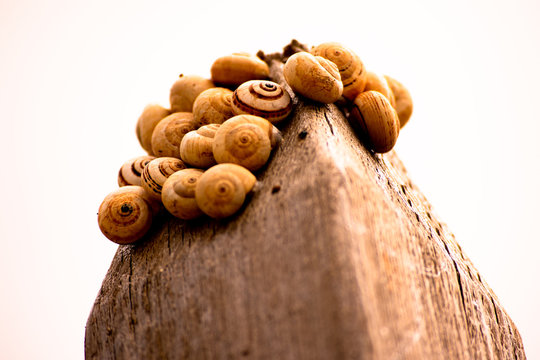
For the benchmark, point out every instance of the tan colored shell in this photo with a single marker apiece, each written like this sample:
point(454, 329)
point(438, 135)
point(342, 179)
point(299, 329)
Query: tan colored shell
point(125, 215)
point(404, 104)
point(244, 140)
point(222, 189)
point(262, 98)
point(377, 82)
point(196, 147)
point(157, 171)
point(178, 194)
point(169, 132)
point(213, 106)
point(350, 67)
point(376, 120)
point(313, 77)
point(130, 172)
point(185, 90)
point(237, 68)
point(150, 117)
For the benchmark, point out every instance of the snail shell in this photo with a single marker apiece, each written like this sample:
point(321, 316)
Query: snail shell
point(349, 64)
point(213, 106)
point(130, 172)
point(157, 171)
point(150, 117)
point(196, 147)
point(178, 195)
point(237, 68)
point(245, 140)
point(125, 215)
point(169, 132)
point(313, 77)
point(185, 90)
point(404, 104)
point(262, 98)
point(374, 117)
point(222, 189)
point(377, 82)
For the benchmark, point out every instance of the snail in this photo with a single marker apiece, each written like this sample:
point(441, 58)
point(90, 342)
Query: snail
point(185, 90)
point(196, 147)
point(237, 68)
point(130, 172)
point(125, 215)
point(169, 132)
point(222, 189)
point(262, 98)
point(178, 194)
point(349, 65)
point(374, 117)
point(313, 77)
point(403, 99)
point(212, 106)
point(157, 171)
point(378, 83)
point(150, 117)
point(245, 140)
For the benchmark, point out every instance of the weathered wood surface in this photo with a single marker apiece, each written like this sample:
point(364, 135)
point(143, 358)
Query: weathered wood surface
point(336, 256)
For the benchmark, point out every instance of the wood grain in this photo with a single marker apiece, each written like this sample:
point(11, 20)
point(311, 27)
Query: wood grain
point(337, 255)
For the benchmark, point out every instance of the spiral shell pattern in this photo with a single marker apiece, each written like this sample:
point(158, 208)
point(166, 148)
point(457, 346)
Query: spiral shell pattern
point(262, 98)
point(350, 67)
point(130, 172)
point(169, 132)
point(196, 147)
point(125, 215)
point(178, 195)
point(157, 171)
point(213, 106)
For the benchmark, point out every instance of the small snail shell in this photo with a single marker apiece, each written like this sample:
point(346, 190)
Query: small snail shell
point(125, 215)
point(237, 68)
point(196, 147)
point(404, 104)
point(377, 82)
point(244, 140)
point(313, 77)
point(213, 106)
point(221, 190)
point(157, 171)
point(262, 98)
point(178, 194)
point(130, 172)
point(185, 90)
point(376, 119)
point(349, 64)
point(150, 117)
point(169, 132)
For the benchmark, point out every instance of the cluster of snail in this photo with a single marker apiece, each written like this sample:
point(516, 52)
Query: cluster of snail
point(202, 152)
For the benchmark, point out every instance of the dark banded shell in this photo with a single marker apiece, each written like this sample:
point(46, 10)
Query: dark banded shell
point(262, 98)
point(130, 172)
point(157, 171)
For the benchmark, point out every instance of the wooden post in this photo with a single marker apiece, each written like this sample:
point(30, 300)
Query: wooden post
point(336, 256)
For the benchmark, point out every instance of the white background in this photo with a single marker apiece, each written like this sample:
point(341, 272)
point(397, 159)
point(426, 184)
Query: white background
point(75, 75)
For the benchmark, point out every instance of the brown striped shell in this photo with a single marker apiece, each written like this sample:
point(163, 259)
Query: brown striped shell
point(350, 67)
point(130, 172)
point(262, 98)
point(222, 189)
point(377, 82)
point(185, 90)
point(157, 171)
point(150, 117)
point(196, 147)
point(178, 194)
point(212, 106)
point(376, 120)
point(404, 104)
point(125, 215)
point(169, 132)
point(237, 68)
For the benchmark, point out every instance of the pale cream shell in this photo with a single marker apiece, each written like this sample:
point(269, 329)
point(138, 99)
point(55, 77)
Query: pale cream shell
point(262, 98)
point(196, 147)
point(178, 194)
point(213, 106)
point(185, 90)
point(169, 132)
